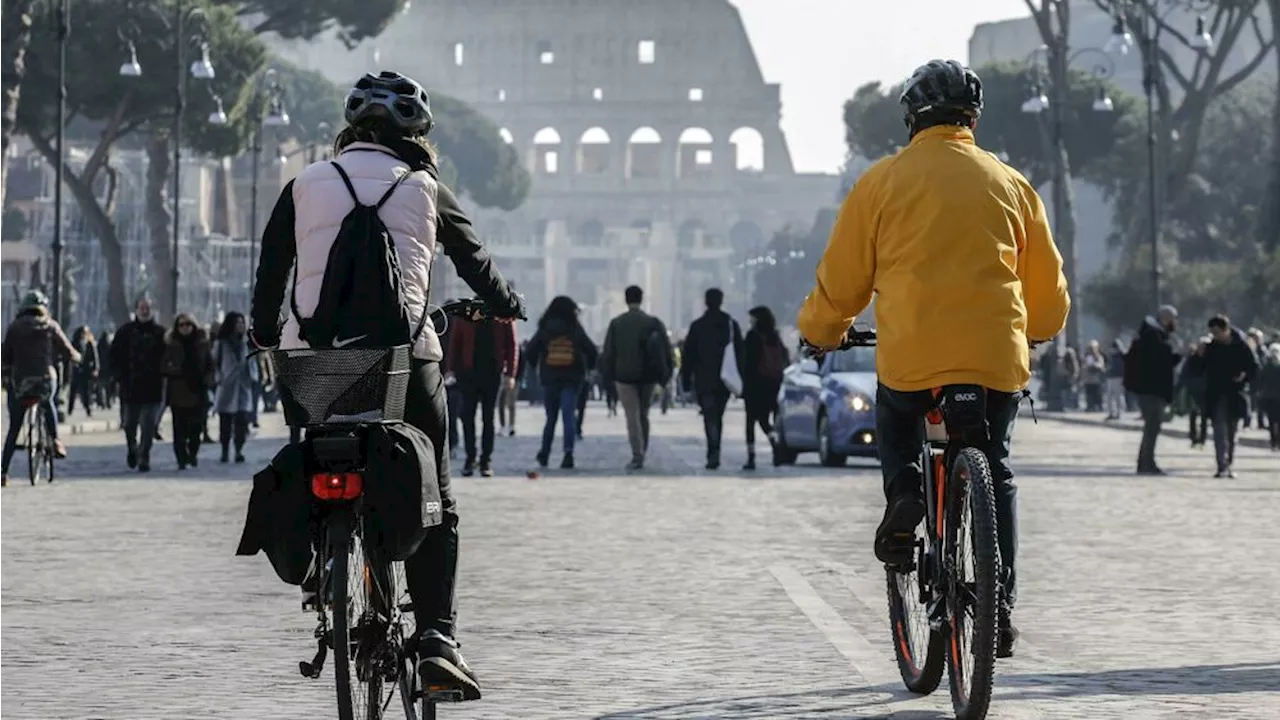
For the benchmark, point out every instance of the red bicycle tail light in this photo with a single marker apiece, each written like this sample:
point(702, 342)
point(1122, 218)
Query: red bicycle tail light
point(337, 486)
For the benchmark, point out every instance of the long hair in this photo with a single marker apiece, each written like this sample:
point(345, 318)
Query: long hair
point(413, 149)
point(196, 331)
point(562, 307)
point(766, 324)
point(227, 329)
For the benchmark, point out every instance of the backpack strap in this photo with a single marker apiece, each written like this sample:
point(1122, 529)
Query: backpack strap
point(391, 190)
point(346, 180)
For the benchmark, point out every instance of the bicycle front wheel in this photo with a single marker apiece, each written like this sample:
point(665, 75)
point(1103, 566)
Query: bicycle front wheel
point(973, 559)
point(35, 445)
point(918, 647)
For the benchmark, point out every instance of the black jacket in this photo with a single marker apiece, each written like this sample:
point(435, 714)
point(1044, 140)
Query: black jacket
point(137, 357)
point(755, 385)
point(584, 352)
point(636, 350)
point(453, 233)
point(704, 349)
point(1151, 361)
point(1223, 363)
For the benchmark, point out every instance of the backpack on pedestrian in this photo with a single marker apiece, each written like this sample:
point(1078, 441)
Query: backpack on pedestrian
point(560, 352)
point(657, 358)
point(362, 302)
point(773, 361)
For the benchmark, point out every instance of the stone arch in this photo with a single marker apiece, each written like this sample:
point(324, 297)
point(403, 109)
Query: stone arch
point(748, 149)
point(644, 153)
point(594, 150)
point(590, 234)
point(694, 155)
point(746, 236)
point(546, 151)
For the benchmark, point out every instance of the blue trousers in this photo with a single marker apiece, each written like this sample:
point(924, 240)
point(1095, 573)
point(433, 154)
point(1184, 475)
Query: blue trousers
point(560, 401)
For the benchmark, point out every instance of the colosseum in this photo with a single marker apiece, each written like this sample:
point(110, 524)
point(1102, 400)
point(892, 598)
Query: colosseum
point(651, 136)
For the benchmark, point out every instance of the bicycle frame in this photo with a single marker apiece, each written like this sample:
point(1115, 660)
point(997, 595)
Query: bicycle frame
point(934, 455)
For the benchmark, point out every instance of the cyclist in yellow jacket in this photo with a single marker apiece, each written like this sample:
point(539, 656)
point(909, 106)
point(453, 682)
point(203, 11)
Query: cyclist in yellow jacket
point(956, 248)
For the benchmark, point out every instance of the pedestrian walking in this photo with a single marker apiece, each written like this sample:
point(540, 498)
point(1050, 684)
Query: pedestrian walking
point(106, 385)
point(1148, 373)
point(236, 373)
point(1257, 343)
point(764, 358)
point(563, 355)
point(137, 356)
point(1093, 373)
point(84, 375)
point(507, 401)
point(483, 358)
point(1229, 366)
point(1068, 375)
point(636, 360)
point(705, 346)
point(1192, 383)
point(188, 365)
point(1115, 381)
point(1269, 391)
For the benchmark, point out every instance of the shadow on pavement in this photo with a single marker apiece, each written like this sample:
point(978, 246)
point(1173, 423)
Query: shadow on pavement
point(1184, 680)
point(830, 703)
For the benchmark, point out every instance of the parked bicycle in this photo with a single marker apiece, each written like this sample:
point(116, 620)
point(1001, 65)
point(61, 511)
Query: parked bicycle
point(943, 603)
point(364, 614)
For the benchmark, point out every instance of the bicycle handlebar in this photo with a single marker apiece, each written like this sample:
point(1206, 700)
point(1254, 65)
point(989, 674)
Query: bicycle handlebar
point(855, 336)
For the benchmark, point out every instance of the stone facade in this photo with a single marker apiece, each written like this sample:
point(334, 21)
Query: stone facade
point(652, 138)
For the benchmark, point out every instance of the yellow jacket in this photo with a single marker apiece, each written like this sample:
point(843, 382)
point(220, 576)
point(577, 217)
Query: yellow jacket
point(957, 249)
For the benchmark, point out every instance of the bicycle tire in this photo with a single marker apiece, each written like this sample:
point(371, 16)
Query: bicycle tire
point(339, 547)
point(970, 488)
point(918, 677)
point(35, 445)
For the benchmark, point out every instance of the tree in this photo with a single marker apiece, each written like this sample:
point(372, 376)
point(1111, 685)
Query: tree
point(873, 122)
point(353, 21)
point(1181, 123)
point(16, 31)
point(782, 283)
point(124, 106)
point(1270, 228)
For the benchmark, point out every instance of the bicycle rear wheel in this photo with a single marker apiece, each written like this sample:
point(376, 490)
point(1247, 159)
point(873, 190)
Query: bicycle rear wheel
point(36, 445)
point(918, 647)
point(347, 576)
point(973, 560)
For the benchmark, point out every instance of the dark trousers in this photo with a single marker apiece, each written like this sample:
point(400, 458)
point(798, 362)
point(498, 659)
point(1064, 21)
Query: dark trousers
point(453, 398)
point(900, 428)
point(1271, 408)
point(1152, 409)
point(584, 394)
point(713, 405)
point(142, 417)
point(1225, 426)
point(560, 402)
point(431, 572)
point(482, 393)
point(188, 427)
point(233, 426)
point(82, 388)
point(17, 418)
point(761, 407)
point(1198, 425)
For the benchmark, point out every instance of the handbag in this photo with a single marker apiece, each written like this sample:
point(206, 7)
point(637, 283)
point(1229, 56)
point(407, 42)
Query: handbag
point(729, 374)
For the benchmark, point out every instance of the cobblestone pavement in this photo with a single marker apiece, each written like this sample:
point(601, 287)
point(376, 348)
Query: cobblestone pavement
point(675, 593)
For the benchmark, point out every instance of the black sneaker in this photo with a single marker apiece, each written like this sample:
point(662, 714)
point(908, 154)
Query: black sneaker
point(635, 464)
point(144, 466)
point(442, 668)
point(469, 467)
point(895, 537)
point(132, 459)
point(543, 458)
point(486, 468)
point(1006, 641)
point(566, 463)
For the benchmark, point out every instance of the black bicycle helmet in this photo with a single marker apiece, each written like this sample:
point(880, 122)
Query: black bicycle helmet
point(943, 85)
point(393, 97)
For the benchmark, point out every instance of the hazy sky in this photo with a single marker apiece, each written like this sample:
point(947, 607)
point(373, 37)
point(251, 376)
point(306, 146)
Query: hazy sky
point(821, 50)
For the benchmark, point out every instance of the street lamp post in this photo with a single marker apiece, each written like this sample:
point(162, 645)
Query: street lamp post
point(1121, 41)
point(1055, 73)
point(64, 28)
point(201, 69)
point(274, 116)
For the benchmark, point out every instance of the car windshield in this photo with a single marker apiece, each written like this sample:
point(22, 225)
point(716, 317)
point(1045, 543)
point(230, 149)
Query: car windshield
point(857, 359)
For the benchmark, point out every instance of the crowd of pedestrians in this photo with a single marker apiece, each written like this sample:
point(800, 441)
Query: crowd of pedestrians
point(1223, 378)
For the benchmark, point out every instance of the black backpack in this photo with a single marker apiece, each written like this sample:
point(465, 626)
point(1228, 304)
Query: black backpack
point(362, 302)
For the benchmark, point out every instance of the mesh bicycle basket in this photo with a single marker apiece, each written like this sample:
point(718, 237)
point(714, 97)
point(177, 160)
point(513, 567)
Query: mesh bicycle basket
point(346, 385)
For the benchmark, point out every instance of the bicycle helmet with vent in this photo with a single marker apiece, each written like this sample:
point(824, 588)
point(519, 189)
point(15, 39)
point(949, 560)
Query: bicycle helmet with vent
point(34, 299)
point(392, 97)
point(943, 85)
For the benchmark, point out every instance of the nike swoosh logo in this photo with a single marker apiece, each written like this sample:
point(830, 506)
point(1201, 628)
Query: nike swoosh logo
point(338, 344)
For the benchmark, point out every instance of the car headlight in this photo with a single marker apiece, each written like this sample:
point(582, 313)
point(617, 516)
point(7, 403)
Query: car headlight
point(859, 403)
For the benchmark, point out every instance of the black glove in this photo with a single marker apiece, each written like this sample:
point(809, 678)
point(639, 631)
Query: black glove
point(515, 310)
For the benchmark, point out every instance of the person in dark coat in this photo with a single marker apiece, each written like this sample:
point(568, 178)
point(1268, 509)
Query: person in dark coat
point(1192, 381)
point(1229, 366)
point(635, 361)
point(482, 359)
point(563, 354)
point(764, 359)
point(188, 363)
point(85, 374)
point(704, 349)
point(106, 386)
point(1269, 391)
point(1149, 370)
point(137, 354)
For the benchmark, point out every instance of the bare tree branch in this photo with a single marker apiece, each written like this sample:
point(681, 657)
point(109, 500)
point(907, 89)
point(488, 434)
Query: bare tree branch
point(110, 133)
point(1231, 81)
point(1170, 66)
point(113, 180)
point(1041, 16)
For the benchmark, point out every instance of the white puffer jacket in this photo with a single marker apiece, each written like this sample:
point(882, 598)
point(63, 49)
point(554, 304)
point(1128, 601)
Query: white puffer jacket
point(321, 202)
